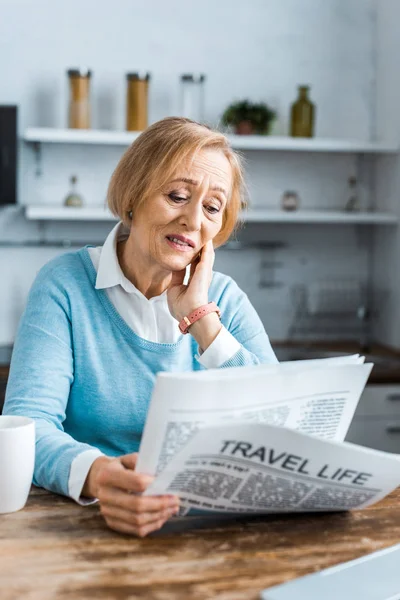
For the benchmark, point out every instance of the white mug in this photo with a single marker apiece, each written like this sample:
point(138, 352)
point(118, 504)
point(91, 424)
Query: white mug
point(17, 461)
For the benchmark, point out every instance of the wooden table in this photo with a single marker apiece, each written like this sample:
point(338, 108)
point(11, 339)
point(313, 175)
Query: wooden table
point(57, 550)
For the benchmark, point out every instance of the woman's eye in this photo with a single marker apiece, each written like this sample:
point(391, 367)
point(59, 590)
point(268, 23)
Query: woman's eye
point(213, 209)
point(176, 198)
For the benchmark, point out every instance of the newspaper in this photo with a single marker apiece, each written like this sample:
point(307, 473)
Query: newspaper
point(263, 439)
point(261, 468)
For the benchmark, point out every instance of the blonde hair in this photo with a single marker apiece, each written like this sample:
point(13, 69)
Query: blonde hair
point(151, 161)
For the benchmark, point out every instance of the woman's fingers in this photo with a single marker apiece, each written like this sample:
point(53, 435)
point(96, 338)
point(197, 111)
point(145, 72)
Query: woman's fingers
point(207, 256)
point(203, 271)
point(119, 498)
point(129, 460)
point(121, 504)
point(110, 512)
point(140, 531)
point(193, 266)
point(116, 475)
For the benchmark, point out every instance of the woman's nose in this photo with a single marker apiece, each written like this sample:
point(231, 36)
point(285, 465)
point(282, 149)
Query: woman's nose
point(192, 216)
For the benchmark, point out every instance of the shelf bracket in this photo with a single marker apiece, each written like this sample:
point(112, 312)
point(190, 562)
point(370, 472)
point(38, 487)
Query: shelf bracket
point(366, 181)
point(37, 149)
point(41, 227)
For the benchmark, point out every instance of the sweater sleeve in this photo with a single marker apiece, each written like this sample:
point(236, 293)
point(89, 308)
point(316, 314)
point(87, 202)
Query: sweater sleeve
point(242, 321)
point(41, 374)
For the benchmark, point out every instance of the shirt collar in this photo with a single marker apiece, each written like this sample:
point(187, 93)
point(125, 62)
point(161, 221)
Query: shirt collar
point(109, 272)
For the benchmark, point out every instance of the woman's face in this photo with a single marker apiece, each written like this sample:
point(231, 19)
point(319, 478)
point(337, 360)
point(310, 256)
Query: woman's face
point(172, 226)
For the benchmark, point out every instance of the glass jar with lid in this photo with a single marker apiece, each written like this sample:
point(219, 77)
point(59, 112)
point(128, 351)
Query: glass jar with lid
point(192, 96)
point(79, 98)
point(137, 101)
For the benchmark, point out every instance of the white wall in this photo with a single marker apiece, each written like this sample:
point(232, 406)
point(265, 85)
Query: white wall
point(386, 270)
point(260, 49)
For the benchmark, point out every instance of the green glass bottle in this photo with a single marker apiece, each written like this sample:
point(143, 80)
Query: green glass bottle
point(302, 115)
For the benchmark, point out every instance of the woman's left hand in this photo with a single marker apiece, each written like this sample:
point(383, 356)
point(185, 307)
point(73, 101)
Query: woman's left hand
point(183, 299)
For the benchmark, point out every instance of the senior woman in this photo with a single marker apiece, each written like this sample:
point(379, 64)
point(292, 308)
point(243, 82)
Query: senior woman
point(101, 322)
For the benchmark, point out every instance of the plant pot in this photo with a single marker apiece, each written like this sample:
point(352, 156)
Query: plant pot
point(244, 128)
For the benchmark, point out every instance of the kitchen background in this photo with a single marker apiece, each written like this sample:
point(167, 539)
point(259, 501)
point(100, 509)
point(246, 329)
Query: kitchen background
point(259, 50)
point(308, 280)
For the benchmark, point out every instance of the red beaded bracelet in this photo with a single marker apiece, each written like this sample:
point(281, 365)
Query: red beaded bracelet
point(197, 314)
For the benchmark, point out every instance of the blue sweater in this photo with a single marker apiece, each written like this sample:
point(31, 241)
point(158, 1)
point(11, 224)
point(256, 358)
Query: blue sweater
point(86, 378)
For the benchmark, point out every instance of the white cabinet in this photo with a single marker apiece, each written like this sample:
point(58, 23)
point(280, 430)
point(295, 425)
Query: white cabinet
point(376, 422)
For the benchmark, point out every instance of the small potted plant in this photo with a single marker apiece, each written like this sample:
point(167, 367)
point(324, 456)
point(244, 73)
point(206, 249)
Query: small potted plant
point(248, 118)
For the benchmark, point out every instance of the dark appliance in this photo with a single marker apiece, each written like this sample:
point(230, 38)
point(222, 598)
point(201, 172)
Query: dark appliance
point(8, 155)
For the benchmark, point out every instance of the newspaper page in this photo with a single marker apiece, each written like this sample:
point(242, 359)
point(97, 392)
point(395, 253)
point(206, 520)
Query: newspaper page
point(259, 468)
point(318, 397)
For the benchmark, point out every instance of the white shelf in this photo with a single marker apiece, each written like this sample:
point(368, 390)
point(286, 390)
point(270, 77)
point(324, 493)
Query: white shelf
point(97, 213)
point(80, 136)
point(44, 212)
point(241, 142)
point(328, 217)
point(289, 144)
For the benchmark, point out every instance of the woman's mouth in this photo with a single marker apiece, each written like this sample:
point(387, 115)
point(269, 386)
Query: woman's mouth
point(179, 243)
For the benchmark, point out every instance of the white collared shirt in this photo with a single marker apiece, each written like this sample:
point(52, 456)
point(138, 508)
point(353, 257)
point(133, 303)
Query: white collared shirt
point(149, 319)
